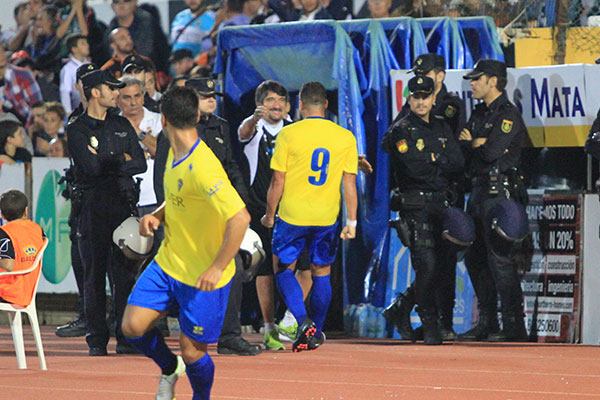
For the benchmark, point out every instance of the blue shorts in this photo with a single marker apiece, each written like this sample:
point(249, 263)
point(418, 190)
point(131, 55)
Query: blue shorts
point(201, 313)
point(289, 241)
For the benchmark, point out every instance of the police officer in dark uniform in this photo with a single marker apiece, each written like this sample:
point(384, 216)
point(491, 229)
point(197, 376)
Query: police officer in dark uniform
point(450, 107)
point(423, 152)
point(76, 327)
point(214, 131)
point(447, 104)
point(493, 138)
point(106, 154)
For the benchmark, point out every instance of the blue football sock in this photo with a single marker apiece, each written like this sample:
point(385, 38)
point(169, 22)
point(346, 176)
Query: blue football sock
point(290, 290)
point(320, 299)
point(152, 344)
point(201, 374)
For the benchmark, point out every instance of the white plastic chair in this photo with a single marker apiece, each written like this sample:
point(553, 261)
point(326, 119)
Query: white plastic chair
point(16, 325)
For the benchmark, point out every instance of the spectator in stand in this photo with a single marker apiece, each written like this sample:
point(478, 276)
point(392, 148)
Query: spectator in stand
point(45, 47)
point(182, 61)
point(79, 51)
point(121, 45)
point(137, 67)
point(339, 9)
point(26, 19)
point(265, 15)
point(72, 18)
point(7, 35)
point(58, 148)
point(150, 81)
point(36, 120)
point(145, 31)
point(311, 10)
point(12, 143)
point(379, 8)
point(44, 79)
point(53, 127)
point(21, 91)
point(191, 27)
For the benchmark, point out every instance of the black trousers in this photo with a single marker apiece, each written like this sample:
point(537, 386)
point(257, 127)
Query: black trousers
point(430, 257)
point(102, 211)
point(75, 256)
point(232, 327)
point(490, 260)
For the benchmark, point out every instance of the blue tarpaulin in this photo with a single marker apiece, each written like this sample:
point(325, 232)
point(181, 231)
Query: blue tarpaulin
point(444, 36)
point(481, 37)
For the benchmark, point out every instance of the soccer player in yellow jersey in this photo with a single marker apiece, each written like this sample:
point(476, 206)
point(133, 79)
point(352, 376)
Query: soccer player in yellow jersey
point(205, 221)
point(310, 161)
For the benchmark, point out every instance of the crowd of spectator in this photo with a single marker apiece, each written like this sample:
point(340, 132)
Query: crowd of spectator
point(40, 54)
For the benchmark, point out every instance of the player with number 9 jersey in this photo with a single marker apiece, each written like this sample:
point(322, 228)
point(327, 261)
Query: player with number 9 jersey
point(314, 153)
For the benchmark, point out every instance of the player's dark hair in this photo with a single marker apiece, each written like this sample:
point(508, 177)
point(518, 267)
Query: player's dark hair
point(13, 204)
point(8, 128)
point(313, 94)
point(269, 86)
point(57, 108)
point(73, 40)
point(179, 105)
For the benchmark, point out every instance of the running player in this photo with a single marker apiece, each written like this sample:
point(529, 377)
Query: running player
point(205, 221)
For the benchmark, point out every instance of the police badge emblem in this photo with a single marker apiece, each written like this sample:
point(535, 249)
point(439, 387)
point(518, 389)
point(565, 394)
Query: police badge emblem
point(210, 84)
point(94, 142)
point(420, 144)
point(450, 111)
point(506, 126)
point(402, 146)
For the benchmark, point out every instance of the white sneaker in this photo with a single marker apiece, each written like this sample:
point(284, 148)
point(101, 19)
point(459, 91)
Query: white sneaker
point(166, 386)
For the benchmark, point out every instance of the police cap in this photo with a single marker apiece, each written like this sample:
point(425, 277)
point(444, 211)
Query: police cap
point(99, 77)
point(420, 84)
point(133, 61)
point(84, 69)
point(426, 62)
point(203, 86)
point(487, 67)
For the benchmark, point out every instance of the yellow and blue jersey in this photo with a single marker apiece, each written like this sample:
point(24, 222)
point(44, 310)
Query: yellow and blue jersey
point(314, 153)
point(199, 200)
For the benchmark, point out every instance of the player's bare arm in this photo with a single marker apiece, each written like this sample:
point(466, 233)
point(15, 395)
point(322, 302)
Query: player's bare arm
point(273, 197)
point(150, 222)
point(234, 233)
point(7, 264)
point(351, 201)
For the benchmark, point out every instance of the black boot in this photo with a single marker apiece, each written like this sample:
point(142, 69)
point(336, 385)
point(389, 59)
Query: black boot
point(432, 334)
point(75, 328)
point(488, 324)
point(513, 329)
point(398, 314)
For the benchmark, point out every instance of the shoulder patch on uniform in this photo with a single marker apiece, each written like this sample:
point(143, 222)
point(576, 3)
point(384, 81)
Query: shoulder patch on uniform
point(450, 111)
point(506, 125)
point(402, 146)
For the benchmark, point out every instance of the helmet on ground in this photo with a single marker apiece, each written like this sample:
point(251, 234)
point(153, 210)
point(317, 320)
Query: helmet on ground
point(127, 237)
point(252, 253)
point(509, 220)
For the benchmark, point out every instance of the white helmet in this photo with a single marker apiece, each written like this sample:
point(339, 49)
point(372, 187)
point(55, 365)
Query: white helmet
point(127, 237)
point(252, 253)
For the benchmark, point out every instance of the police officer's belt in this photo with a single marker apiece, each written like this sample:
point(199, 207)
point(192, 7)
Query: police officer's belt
point(418, 198)
point(485, 180)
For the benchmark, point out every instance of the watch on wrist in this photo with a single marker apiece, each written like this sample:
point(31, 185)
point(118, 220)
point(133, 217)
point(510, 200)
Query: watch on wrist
point(141, 136)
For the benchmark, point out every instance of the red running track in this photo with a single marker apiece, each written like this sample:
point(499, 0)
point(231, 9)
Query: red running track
point(342, 369)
